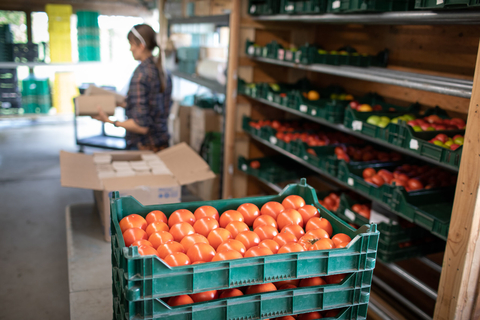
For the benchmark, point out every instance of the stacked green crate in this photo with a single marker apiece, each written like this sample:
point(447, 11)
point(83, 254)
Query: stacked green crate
point(187, 59)
point(88, 36)
point(6, 40)
point(211, 150)
point(36, 95)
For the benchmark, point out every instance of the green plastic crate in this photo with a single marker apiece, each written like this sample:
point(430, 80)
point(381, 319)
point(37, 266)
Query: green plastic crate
point(336, 6)
point(380, 5)
point(272, 169)
point(263, 7)
point(446, 4)
point(187, 66)
point(419, 250)
point(211, 150)
point(188, 53)
point(87, 19)
point(303, 7)
point(149, 277)
point(353, 291)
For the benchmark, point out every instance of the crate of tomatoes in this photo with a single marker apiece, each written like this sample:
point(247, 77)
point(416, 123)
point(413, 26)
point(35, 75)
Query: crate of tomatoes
point(269, 249)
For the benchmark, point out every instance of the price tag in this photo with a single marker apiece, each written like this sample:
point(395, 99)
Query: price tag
point(251, 50)
point(289, 8)
point(269, 97)
point(253, 8)
point(244, 167)
point(314, 112)
point(289, 55)
point(414, 144)
point(357, 125)
point(439, 2)
point(350, 214)
point(336, 4)
point(350, 182)
point(281, 54)
point(273, 140)
point(305, 157)
point(303, 108)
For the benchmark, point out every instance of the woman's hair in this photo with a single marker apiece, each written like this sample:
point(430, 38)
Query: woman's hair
point(150, 39)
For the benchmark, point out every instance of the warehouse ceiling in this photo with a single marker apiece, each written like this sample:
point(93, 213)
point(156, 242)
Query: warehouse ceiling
point(108, 7)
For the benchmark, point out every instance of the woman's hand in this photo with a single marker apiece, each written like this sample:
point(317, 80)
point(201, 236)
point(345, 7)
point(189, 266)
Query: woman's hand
point(102, 116)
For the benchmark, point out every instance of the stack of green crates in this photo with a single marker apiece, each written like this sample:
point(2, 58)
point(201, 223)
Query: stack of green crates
point(88, 36)
point(187, 59)
point(211, 150)
point(36, 95)
point(6, 40)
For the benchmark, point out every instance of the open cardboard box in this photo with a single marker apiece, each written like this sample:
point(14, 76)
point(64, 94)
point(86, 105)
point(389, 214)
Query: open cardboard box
point(93, 90)
point(78, 170)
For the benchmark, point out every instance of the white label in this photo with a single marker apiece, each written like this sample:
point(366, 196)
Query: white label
point(273, 140)
point(314, 112)
point(253, 8)
point(336, 4)
point(281, 54)
point(251, 50)
point(270, 98)
point(376, 217)
point(244, 167)
point(350, 181)
point(305, 157)
point(289, 55)
point(303, 108)
point(439, 2)
point(357, 125)
point(289, 7)
point(414, 144)
point(349, 214)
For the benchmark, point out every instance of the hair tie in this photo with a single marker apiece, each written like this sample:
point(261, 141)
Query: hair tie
point(139, 37)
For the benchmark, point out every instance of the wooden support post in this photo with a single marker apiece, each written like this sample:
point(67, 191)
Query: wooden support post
point(231, 101)
point(458, 289)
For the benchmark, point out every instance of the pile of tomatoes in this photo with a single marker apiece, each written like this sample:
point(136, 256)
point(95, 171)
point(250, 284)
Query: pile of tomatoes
point(411, 177)
point(331, 202)
point(367, 153)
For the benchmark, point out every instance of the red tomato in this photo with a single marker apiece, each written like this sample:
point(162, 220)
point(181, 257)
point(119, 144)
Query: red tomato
point(285, 282)
point(181, 230)
point(264, 221)
point(227, 255)
point(155, 227)
point(294, 229)
point(270, 244)
point(342, 245)
point(230, 293)
point(204, 296)
point(318, 233)
point(368, 173)
point(257, 251)
point(139, 243)
point(198, 262)
point(288, 217)
point(177, 259)
point(414, 184)
point(339, 238)
point(308, 240)
point(266, 232)
point(229, 216)
point(285, 318)
point(218, 236)
point(307, 212)
point(147, 251)
point(293, 202)
point(248, 238)
point(159, 238)
point(168, 248)
point(192, 239)
point(311, 282)
point(291, 247)
point(284, 238)
point(206, 212)
point(133, 221)
point(378, 180)
point(235, 227)
point(287, 286)
point(259, 288)
point(179, 300)
point(310, 316)
point(319, 223)
point(255, 164)
point(272, 209)
point(249, 212)
point(156, 215)
point(232, 244)
point(203, 226)
point(181, 215)
point(132, 235)
point(322, 244)
point(336, 278)
point(201, 252)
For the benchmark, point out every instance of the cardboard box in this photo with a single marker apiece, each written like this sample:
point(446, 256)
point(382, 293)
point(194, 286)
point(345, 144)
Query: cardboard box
point(79, 171)
point(87, 105)
point(93, 90)
point(207, 190)
point(201, 122)
point(179, 124)
point(202, 8)
point(219, 7)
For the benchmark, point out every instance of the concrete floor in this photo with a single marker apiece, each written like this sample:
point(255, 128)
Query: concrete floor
point(33, 247)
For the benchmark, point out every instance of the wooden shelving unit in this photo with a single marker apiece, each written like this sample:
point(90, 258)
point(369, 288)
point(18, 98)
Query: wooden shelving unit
point(433, 57)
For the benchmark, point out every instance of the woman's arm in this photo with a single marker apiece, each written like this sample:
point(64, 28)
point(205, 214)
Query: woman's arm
point(129, 125)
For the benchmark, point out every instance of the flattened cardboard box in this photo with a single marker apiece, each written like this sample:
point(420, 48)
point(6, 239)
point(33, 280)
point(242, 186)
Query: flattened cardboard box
point(79, 171)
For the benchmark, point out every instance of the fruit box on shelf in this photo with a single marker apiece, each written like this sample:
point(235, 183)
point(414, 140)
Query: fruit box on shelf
point(348, 6)
point(349, 56)
point(303, 7)
point(271, 169)
point(263, 7)
point(446, 4)
point(149, 277)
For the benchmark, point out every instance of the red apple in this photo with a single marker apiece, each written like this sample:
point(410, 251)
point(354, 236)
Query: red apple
point(440, 127)
point(454, 146)
point(412, 123)
point(442, 137)
point(377, 107)
point(457, 136)
point(458, 122)
point(433, 118)
point(354, 104)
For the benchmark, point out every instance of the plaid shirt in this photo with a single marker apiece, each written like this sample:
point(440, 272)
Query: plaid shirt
point(148, 107)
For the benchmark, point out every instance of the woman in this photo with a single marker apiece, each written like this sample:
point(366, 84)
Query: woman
point(148, 101)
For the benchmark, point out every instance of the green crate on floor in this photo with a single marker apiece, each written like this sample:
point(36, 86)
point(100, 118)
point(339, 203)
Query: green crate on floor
point(446, 4)
point(149, 277)
point(272, 169)
point(353, 291)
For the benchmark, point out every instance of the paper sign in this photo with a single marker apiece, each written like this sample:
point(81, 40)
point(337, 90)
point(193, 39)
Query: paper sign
point(251, 50)
point(439, 2)
point(376, 217)
point(289, 8)
point(350, 182)
point(314, 112)
point(349, 214)
point(357, 125)
point(273, 140)
point(414, 144)
point(269, 97)
point(244, 167)
point(303, 108)
point(253, 8)
point(336, 4)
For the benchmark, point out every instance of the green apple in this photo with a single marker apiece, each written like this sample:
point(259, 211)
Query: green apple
point(459, 141)
point(438, 143)
point(430, 129)
point(375, 120)
point(383, 123)
point(275, 87)
point(395, 120)
point(322, 52)
point(417, 129)
point(449, 143)
point(409, 117)
point(385, 119)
